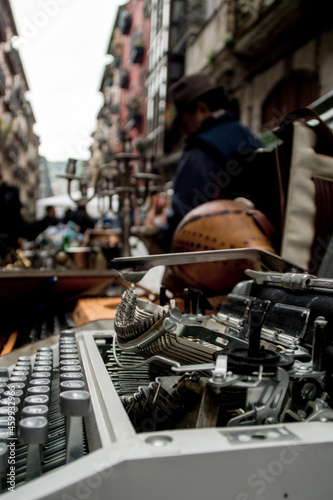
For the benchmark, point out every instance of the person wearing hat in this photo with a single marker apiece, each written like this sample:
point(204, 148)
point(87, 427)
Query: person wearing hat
point(214, 137)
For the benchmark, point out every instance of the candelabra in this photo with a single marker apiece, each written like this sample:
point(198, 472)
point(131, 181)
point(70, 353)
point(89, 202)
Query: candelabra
point(82, 187)
point(125, 183)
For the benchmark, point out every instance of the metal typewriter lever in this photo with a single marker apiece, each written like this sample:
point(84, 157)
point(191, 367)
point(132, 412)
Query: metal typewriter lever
point(295, 281)
point(133, 269)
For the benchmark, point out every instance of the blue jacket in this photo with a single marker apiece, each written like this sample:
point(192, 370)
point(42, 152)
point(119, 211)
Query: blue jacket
point(205, 168)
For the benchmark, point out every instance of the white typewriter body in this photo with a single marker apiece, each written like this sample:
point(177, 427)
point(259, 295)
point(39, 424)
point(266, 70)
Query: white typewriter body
point(252, 454)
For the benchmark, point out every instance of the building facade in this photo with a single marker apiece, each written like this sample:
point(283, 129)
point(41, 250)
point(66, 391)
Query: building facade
point(270, 55)
point(173, 24)
point(19, 144)
point(106, 137)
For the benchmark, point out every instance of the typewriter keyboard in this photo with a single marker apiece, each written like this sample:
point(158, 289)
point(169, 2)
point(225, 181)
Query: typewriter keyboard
point(42, 406)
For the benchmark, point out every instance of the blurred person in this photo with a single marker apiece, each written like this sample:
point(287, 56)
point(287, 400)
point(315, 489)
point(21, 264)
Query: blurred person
point(213, 138)
point(13, 225)
point(50, 212)
point(80, 217)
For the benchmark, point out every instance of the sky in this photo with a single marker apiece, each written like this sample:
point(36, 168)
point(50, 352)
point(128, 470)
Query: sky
point(63, 45)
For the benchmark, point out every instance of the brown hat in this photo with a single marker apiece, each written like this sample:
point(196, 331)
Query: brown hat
point(190, 88)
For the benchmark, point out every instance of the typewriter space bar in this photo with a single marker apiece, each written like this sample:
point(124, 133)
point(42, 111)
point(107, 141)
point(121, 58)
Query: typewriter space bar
point(133, 269)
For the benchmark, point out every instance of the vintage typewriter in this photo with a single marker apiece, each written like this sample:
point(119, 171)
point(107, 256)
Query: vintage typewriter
point(236, 403)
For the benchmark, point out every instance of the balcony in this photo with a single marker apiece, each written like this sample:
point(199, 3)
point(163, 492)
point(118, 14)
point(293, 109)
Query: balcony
point(2, 30)
point(248, 12)
point(13, 152)
point(116, 63)
point(137, 50)
point(115, 109)
point(2, 83)
point(125, 22)
point(13, 59)
point(12, 104)
point(147, 9)
point(108, 77)
point(124, 80)
point(22, 138)
point(134, 111)
point(21, 174)
point(267, 28)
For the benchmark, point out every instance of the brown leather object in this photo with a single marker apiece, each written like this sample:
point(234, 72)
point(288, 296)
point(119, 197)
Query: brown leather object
point(215, 225)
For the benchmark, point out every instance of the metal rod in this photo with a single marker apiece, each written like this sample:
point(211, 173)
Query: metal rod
point(133, 269)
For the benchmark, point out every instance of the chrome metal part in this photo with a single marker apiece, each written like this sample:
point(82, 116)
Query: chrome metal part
point(250, 384)
point(133, 269)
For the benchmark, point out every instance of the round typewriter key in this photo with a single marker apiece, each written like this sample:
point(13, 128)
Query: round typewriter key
point(21, 362)
point(18, 379)
point(72, 362)
point(37, 399)
point(3, 459)
point(4, 380)
point(22, 368)
point(67, 340)
point(68, 351)
point(5, 422)
point(74, 403)
point(11, 414)
point(40, 375)
point(40, 381)
point(43, 362)
point(42, 369)
point(67, 345)
point(39, 365)
point(69, 356)
point(18, 393)
point(38, 389)
point(23, 365)
point(70, 368)
point(64, 347)
point(15, 386)
point(43, 357)
point(44, 349)
point(24, 358)
point(71, 376)
point(38, 360)
point(72, 385)
point(9, 411)
point(33, 430)
point(35, 410)
point(10, 402)
point(3, 385)
point(5, 435)
point(20, 373)
point(67, 333)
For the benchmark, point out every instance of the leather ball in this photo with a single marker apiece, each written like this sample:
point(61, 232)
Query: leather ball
point(219, 224)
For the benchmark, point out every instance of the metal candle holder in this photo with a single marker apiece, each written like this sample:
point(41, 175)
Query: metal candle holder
point(122, 183)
